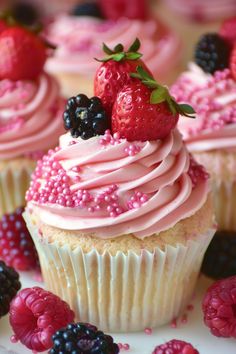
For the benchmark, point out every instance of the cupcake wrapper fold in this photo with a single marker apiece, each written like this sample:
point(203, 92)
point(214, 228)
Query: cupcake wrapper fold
point(14, 183)
point(125, 292)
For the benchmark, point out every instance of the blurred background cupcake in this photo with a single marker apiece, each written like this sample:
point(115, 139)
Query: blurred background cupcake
point(209, 85)
point(30, 111)
point(120, 213)
point(79, 33)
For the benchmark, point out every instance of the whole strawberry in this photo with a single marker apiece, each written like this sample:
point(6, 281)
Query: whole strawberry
point(232, 62)
point(115, 71)
point(3, 25)
point(23, 54)
point(144, 110)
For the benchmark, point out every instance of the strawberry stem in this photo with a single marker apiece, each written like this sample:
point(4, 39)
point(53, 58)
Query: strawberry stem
point(118, 53)
point(161, 94)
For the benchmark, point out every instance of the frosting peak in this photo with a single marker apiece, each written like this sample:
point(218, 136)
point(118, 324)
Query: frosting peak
point(214, 99)
point(30, 116)
point(104, 189)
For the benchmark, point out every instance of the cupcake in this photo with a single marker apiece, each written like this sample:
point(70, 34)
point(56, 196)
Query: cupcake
point(30, 113)
point(202, 10)
point(78, 37)
point(209, 85)
point(120, 213)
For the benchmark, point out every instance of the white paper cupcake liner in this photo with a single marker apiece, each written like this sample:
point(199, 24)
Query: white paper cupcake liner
point(122, 293)
point(224, 194)
point(14, 182)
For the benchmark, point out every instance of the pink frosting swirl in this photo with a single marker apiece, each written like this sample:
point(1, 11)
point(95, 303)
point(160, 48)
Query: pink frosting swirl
point(150, 184)
point(30, 116)
point(206, 10)
point(79, 41)
point(214, 99)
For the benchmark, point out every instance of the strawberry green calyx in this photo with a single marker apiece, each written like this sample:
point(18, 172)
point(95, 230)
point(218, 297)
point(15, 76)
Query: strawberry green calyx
point(161, 94)
point(118, 53)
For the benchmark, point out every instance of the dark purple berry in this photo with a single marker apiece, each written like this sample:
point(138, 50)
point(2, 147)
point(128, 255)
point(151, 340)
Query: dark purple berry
point(212, 53)
point(85, 117)
point(82, 338)
point(87, 9)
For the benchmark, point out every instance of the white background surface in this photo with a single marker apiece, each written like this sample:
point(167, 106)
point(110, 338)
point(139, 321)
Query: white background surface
point(193, 331)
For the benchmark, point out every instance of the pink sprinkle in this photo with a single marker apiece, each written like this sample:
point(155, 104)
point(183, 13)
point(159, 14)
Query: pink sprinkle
point(148, 331)
point(14, 339)
point(173, 323)
point(190, 307)
point(126, 346)
point(184, 318)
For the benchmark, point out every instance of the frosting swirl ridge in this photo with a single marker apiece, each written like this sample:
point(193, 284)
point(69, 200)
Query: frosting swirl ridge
point(30, 116)
point(151, 188)
point(214, 99)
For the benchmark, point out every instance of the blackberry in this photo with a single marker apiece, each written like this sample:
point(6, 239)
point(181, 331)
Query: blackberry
point(82, 338)
point(212, 53)
point(85, 117)
point(87, 9)
point(220, 258)
point(9, 285)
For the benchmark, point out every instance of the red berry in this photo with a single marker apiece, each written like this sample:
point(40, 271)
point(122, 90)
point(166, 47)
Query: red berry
point(111, 77)
point(228, 30)
point(3, 26)
point(175, 346)
point(133, 9)
point(135, 118)
point(219, 308)
point(16, 245)
point(232, 63)
point(23, 54)
point(35, 315)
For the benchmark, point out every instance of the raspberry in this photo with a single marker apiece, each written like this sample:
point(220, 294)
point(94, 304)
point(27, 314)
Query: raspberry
point(175, 346)
point(83, 338)
point(16, 245)
point(9, 285)
point(228, 30)
point(220, 258)
point(212, 53)
point(219, 308)
point(233, 62)
point(35, 315)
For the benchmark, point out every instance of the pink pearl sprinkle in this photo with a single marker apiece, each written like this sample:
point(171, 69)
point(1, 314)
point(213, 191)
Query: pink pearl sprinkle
point(14, 339)
point(148, 331)
point(126, 346)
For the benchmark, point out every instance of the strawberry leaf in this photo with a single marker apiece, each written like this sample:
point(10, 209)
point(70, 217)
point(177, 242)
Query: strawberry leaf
point(106, 49)
point(135, 46)
point(187, 108)
point(119, 48)
point(157, 97)
point(119, 56)
point(133, 56)
point(144, 75)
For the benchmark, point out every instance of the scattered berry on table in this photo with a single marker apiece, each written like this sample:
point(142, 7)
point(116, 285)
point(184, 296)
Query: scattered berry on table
point(85, 117)
point(219, 308)
point(23, 54)
point(9, 285)
point(175, 346)
point(87, 9)
point(16, 245)
point(220, 258)
point(82, 338)
point(114, 72)
point(35, 315)
point(212, 53)
point(144, 110)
